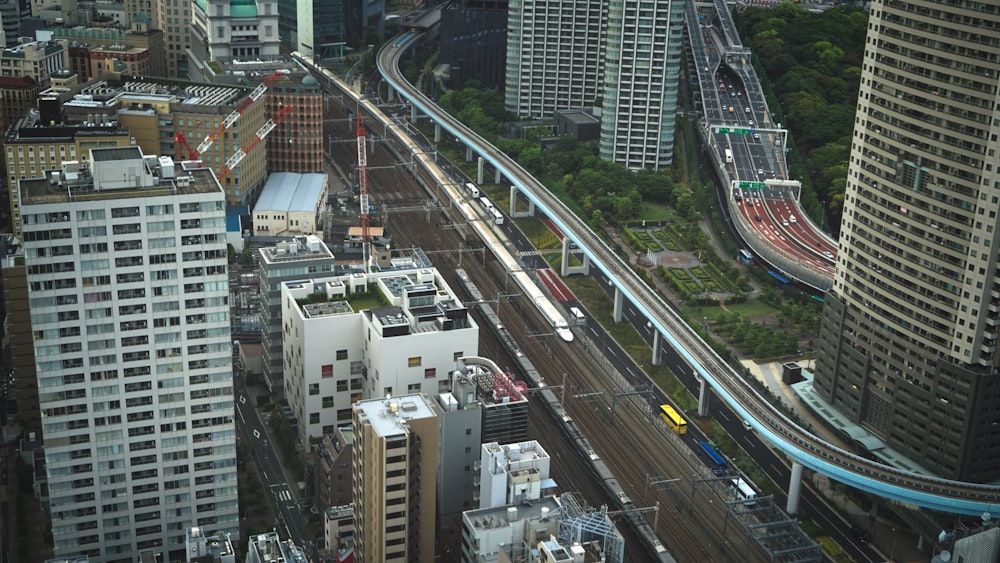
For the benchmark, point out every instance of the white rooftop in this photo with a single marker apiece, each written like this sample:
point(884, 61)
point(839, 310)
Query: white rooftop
point(388, 416)
point(291, 192)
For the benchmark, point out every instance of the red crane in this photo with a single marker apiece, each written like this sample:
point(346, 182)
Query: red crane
point(179, 138)
point(240, 110)
point(363, 192)
point(241, 153)
point(229, 120)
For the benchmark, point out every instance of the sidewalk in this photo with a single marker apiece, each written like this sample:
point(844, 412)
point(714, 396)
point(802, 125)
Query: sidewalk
point(887, 537)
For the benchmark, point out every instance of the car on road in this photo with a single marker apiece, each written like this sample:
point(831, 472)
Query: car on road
point(784, 222)
point(757, 218)
point(747, 426)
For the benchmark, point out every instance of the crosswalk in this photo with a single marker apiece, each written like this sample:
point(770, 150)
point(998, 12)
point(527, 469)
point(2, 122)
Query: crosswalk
point(524, 253)
point(284, 495)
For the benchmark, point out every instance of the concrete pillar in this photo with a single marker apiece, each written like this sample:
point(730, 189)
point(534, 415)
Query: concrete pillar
point(657, 343)
point(619, 305)
point(702, 396)
point(479, 171)
point(391, 93)
point(468, 153)
point(513, 212)
point(496, 176)
point(794, 488)
point(437, 133)
point(413, 115)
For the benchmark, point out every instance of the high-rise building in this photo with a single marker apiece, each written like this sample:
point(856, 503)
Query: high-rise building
point(555, 55)
point(908, 348)
point(128, 300)
point(174, 18)
point(570, 54)
point(298, 258)
point(394, 463)
point(641, 80)
point(232, 29)
point(473, 33)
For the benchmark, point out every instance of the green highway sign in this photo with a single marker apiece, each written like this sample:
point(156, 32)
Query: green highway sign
point(734, 131)
point(751, 185)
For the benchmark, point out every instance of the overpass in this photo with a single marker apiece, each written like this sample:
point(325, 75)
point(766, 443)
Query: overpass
point(805, 449)
point(748, 151)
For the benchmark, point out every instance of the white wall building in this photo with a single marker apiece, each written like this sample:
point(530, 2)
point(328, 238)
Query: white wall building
point(335, 355)
point(234, 29)
point(133, 353)
point(513, 473)
point(290, 204)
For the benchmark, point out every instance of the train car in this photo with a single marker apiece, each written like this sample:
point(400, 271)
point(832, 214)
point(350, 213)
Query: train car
point(673, 419)
point(558, 322)
point(497, 216)
point(743, 492)
point(472, 189)
point(714, 455)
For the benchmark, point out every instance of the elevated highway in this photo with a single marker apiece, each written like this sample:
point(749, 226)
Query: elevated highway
point(801, 446)
point(748, 151)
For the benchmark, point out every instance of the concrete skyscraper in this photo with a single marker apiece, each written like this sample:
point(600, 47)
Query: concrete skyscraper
point(642, 73)
point(128, 299)
point(555, 55)
point(908, 348)
point(624, 55)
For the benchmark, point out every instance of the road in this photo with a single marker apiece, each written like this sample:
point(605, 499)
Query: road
point(280, 488)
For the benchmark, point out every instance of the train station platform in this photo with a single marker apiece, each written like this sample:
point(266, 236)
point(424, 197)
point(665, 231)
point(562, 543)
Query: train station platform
point(888, 536)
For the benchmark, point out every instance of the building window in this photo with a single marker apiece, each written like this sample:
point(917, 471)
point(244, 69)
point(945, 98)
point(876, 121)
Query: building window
point(327, 402)
point(430, 373)
point(314, 418)
point(413, 362)
point(314, 388)
point(327, 371)
point(341, 354)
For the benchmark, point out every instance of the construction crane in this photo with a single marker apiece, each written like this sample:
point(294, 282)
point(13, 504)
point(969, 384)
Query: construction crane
point(363, 193)
point(179, 138)
point(241, 153)
point(232, 117)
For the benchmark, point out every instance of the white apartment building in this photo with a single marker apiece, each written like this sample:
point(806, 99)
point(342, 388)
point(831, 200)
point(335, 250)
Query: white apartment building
point(128, 297)
point(568, 54)
point(555, 55)
point(336, 353)
point(513, 473)
point(642, 73)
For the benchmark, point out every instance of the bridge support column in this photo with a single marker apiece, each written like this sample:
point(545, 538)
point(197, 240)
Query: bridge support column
point(619, 305)
point(469, 155)
point(657, 344)
point(437, 133)
point(391, 93)
point(497, 176)
point(513, 204)
point(702, 396)
point(479, 171)
point(414, 117)
point(794, 488)
point(568, 270)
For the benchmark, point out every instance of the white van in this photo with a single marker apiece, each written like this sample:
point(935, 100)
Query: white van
point(792, 219)
point(578, 315)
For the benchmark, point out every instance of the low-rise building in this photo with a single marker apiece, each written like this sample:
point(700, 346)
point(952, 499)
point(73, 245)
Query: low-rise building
point(291, 204)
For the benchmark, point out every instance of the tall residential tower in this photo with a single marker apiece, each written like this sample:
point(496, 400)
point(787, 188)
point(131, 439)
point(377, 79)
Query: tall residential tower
point(909, 335)
point(128, 299)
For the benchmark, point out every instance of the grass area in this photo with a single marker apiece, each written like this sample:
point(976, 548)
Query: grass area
point(654, 211)
point(748, 309)
point(538, 233)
